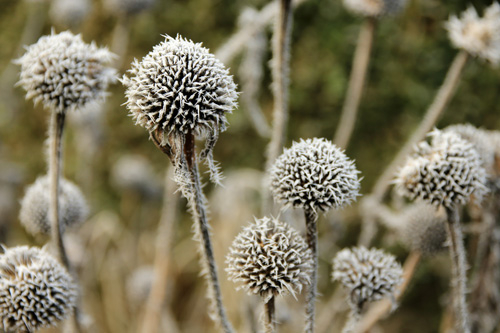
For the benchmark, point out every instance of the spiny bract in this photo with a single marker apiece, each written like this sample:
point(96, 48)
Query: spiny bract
point(480, 36)
point(368, 275)
point(64, 73)
point(269, 258)
point(445, 172)
point(180, 88)
point(375, 8)
point(314, 173)
point(34, 213)
point(35, 290)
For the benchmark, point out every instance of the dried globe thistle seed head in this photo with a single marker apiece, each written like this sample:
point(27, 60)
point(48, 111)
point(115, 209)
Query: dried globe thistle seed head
point(35, 290)
point(135, 173)
point(424, 228)
point(368, 275)
point(34, 213)
point(479, 36)
point(445, 172)
point(314, 173)
point(139, 285)
point(128, 7)
point(63, 73)
point(69, 13)
point(180, 88)
point(375, 8)
point(269, 258)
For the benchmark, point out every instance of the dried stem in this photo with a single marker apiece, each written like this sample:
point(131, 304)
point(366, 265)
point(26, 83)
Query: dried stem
point(270, 314)
point(356, 83)
point(156, 298)
point(384, 307)
point(312, 243)
point(459, 278)
point(433, 113)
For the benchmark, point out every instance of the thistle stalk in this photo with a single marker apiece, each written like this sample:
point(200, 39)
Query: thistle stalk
point(270, 323)
point(356, 83)
point(459, 277)
point(312, 243)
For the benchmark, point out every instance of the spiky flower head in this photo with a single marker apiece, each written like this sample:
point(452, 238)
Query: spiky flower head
point(34, 213)
point(63, 72)
point(479, 36)
point(375, 8)
point(316, 174)
point(269, 258)
point(445, 172)
point(424, 228)
point(368, 275)
point(128, 7)
point(35, 290)
point(180, 88)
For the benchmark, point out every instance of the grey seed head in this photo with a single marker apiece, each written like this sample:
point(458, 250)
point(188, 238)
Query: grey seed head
point(35, 290)
point(269, 258)
point(34, 213)
point(64, 73)
point(446, 171)
point(368, 275)
point(424, 228)
point(375, 8)
point(139, 285)
point(180, 88)
point(314, 173)
point(69, 13)
point(479, 36)
point(135, 173)
point(128, 7)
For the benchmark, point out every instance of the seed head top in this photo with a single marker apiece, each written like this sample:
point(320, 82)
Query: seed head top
point(180, 88)
point(63, 72)
point(269, 258)
point(34, 213)
point(480, 36)
point(375, 8)
point(368, 275)
point(314, 173)
point(35, 290)
point(445, 172)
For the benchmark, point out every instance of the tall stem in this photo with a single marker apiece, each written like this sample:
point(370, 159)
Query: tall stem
point(356, 83)
point(435, 110)
point(312, 243)
point(156, 298)
point(270, 316)
point(459, 278)
point(198, 210)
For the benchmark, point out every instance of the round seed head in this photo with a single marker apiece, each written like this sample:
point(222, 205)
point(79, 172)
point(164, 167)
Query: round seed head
point(35, 290)
point(368, 275)
point(128, 7)
point(479, 36)
point(69, 13)
point(62, 72)
point(375, 8)
point(34, 213)
point(445, 172)
point(314, 173)
point(180, 88)
point(135, 173)
point(269, 258)
point(424, 228)
point(139, 285)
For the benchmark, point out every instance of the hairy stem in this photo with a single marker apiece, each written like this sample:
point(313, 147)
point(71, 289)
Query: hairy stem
point(312, 243)
point(459, 278)
point(441, 100)
point(270, 314)
point(356, 83)
point(156, 298)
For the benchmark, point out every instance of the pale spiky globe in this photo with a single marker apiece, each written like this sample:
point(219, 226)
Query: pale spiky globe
point(316, 174)
point(180, 88)
point(63, 72)
point(375, 8)
point(368, 275)
point(34, 213)
point(269, 258)
point(479, 36)
point(445, 172)
point(35, 290)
